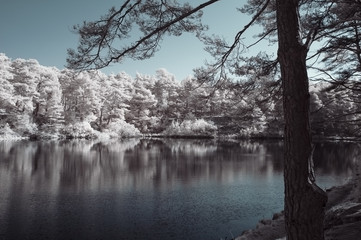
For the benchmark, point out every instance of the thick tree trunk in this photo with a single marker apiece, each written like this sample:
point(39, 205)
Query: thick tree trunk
point(304, 201)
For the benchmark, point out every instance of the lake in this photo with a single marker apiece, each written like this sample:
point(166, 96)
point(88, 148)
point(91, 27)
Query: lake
point(149, 188)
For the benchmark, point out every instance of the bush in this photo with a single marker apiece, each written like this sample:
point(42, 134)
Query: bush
point(6, 133)
point(24, 126)
point(50, 131)
point(79, 130)
point(256, 130)
point(197, 127)
point(121, 129)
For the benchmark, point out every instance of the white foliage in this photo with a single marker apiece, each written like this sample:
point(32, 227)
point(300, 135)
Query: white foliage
point(6, 88)
point(191, 127)
point(24, 125)
point(6, 133)
point(121, 129)
point(79, 130)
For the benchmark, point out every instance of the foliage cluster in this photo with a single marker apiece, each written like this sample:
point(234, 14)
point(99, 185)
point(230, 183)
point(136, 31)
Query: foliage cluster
point(45, 102)
point(198, 127)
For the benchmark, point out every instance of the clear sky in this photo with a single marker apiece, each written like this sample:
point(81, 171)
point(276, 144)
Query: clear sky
point(41, 29)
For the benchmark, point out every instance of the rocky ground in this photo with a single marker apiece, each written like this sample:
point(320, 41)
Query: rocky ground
point(342, 220)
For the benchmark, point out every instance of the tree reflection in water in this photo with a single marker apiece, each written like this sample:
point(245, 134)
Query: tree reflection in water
point(81, 164)
point(166, 186)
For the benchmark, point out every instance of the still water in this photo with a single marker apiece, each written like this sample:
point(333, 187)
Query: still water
point(148, 189)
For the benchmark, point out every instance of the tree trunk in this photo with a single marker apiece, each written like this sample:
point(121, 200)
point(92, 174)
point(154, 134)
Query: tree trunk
point(304, 201)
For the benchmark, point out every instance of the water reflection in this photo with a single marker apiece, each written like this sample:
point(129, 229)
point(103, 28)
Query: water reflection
point(90, 165)
point(172, 188)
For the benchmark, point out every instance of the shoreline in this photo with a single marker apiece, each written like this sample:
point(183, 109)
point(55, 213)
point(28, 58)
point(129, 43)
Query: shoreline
point(342, 215)
point(179, 136)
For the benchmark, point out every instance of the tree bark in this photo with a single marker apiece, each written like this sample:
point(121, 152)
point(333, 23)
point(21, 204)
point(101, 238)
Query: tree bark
point(304, 200)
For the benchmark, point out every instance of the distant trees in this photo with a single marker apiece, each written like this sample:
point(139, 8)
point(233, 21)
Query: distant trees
point(142, 105)
point(7, 102)
point(166, 91)
point(41, 101)
point(335, 110)
point(116, 93)
point(46, 102)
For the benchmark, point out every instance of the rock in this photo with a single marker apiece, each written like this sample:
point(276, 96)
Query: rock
point(349, 231)
point(343, 213)
point(266, 229)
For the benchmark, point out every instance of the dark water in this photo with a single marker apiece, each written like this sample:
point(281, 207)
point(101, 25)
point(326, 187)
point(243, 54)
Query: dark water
point(148, 189)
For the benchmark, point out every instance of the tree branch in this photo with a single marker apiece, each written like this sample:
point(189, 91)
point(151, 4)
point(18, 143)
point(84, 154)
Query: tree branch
point(83, 59)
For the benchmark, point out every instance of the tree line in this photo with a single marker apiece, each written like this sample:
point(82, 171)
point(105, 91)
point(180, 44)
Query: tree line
point(47, 102)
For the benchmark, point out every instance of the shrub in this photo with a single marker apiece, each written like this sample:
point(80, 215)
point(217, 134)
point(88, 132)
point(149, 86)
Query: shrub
point(6, 133)
point(197, 127)
point(50, 131)
point(121, 129)
point(79, 130)
point(24, 125)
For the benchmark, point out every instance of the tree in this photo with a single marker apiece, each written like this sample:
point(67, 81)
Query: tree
point(25, 82)
point(48, 97)
point(166, 91)
point(118, 93)
point(195, 97)
point(81, 98)
point(7, 103)
point(141, 105)
point(304, 201)
point(338, 32)
point(48, 111)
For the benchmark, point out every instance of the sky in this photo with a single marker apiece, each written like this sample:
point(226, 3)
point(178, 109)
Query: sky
point(41, 30)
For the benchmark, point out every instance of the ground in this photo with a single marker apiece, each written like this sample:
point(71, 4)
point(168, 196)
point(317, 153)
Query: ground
point(342, 221)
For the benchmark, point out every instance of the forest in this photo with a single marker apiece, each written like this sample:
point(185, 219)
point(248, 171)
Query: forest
point(43, 102)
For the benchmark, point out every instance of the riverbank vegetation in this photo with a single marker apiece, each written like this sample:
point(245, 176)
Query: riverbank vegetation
point(44, 102)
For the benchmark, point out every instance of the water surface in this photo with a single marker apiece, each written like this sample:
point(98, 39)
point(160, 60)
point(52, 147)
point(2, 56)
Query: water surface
point(148, 189)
